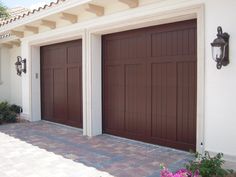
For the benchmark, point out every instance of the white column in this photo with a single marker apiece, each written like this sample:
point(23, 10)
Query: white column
point(84, 81)
point(93, 85)
point(26, 82)
point(36, 88)
point(96, 80)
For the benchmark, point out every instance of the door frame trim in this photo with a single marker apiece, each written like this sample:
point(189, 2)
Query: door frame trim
point(34, 45)
point(176, 15)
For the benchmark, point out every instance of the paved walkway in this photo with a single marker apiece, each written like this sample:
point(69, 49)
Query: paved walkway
point(20, 159)
point(43, 149)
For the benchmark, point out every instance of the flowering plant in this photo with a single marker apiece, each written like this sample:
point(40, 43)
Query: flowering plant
point(180, 173)
point(208, 166)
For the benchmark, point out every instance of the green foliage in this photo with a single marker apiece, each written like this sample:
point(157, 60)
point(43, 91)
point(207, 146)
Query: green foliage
point(208, 166)
point(3, 12)
point(9, 117)
point(8, 113)
point(15, 108)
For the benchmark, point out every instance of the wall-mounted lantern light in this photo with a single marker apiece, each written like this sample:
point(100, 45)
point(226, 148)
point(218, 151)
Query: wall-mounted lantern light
point(220, 48)
point(20, 66)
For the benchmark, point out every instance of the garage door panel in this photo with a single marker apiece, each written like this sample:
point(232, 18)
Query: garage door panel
point(59, 94)
point(171, 89)
point(192, 34)
point(114, 110)
point(158, 76)
point(185, 42)
point(126, 62)
point(47, 92)
point(112, 49)
point(186, 106)
point(156, 45)
point(74, 54)
point(133, 47)
point(45, 60)
point(135, 103)
point(163, 44)
point(74, 94)
point(167, 59)
point(192, 104)
point(181, 42)
point(55, 57)
point(61, 84)
point(163, 101)
point(141, 46)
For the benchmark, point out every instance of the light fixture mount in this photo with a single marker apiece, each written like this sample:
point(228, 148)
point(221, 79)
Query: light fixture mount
point(220, 49)
point(20, 65)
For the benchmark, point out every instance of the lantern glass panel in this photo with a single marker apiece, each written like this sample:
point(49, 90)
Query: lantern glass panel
point(218, 52)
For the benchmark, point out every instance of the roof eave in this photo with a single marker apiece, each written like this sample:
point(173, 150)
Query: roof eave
point(42, 14)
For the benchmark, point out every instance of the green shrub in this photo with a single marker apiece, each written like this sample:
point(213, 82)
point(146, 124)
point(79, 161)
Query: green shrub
point(15, 108)
point(1, 118)
point(10, 117)
point(208, 166)
point(8, 113)
point(4, 106)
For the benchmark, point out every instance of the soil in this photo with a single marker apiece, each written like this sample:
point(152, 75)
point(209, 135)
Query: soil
point(21, 120)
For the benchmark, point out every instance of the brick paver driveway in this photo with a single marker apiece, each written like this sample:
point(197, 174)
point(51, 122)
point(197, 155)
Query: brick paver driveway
point(34, 149)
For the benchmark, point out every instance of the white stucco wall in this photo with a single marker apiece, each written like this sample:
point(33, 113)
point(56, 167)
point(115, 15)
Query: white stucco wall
point(220, 95)
point(4, 74)
point(10, 86)
point(220, 85)
point(15, 80)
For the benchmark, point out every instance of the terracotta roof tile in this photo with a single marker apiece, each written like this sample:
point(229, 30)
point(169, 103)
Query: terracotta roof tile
point(52, 4)
point(16, 11)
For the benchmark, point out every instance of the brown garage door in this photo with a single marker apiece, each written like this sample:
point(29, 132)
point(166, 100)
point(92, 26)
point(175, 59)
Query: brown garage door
point(61, 83)
point(149, 84)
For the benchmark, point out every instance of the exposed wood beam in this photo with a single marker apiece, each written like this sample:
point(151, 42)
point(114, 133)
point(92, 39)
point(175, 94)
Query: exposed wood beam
point(19, 34)
point(16, 43)
point(6, 45)
point(33, 29)
point(48, 23)
point(69, 17)
point(131, 3)
point(98, 10)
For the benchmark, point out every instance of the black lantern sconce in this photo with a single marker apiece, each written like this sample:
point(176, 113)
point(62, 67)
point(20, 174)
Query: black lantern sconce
point(20, 66)
point(220, 48)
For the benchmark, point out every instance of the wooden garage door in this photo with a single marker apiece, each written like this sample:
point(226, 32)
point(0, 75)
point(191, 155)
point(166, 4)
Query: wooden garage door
point(149, 84)
point(61, 83)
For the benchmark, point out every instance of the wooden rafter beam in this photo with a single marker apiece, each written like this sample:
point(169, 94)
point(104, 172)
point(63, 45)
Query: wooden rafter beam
point(19, 34)
point(15, 43)
point(131, 3)
point(7, 45)
point(69, 17)
point(48, 23)
point(98, 10)
point(33, 29)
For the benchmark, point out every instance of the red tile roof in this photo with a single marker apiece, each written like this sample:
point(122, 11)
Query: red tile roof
point(17, 11)
point(15, 18)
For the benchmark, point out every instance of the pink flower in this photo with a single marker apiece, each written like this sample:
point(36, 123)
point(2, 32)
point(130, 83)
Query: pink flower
point(180, 173)
point(165, 172)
